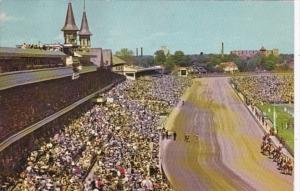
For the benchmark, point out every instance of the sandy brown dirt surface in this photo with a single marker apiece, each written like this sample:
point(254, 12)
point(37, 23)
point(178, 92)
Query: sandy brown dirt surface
point(224, 149)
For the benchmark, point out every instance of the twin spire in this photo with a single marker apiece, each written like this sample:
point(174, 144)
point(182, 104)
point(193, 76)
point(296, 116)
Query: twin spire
point(71, 27)
point(84, 29)
point(70, 24)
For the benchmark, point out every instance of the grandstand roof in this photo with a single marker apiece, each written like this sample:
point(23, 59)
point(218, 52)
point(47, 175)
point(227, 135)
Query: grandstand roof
point(118, 61)
point(89, 53)
point(28, 52)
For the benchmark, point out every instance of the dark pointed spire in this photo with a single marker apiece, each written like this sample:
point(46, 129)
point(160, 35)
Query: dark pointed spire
point(84, 29)
point(70, 24)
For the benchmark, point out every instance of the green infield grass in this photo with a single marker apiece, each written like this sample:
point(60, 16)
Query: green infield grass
point(284, 122)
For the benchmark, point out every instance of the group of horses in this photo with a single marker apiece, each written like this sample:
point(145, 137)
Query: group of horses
point(284, 163)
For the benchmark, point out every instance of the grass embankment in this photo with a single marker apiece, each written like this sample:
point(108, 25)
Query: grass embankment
point(282, 121)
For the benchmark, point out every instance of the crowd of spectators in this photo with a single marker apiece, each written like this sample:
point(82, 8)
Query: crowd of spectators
point(24, 105)
point(55, 47)
point(275, 88)
point(113, 146)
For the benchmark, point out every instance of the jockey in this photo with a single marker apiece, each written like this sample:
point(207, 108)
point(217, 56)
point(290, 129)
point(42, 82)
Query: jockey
point(266, 136)
point(289, 162)
point(279, 148)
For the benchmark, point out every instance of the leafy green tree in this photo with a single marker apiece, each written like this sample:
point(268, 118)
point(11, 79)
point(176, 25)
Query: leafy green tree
point(269, 62)
point(216, 60)
point(251, 64)
point(203, 59)
point(210, 67)
point(126, 55)
point(151, 62)
point(170, 63)
point(269, 65)
point(179, 58)
point(241, 64)
point(160, 57)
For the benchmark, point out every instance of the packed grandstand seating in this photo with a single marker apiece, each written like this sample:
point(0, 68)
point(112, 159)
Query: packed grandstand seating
point(33, 102)
point(55, 47)
point(118, 138)
point(275, 88)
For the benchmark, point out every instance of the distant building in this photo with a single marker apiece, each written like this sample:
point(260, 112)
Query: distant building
point(183, 71)
point(165, 49)
point(228, 67)
point(245, 54)
point(265, 52)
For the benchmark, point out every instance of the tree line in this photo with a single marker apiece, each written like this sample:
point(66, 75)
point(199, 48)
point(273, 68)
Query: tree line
point(179, 59)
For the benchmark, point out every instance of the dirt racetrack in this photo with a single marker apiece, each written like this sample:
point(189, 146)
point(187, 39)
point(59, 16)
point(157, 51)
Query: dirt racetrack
point(224, 149)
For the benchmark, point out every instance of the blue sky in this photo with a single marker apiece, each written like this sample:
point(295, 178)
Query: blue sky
point(191, 26)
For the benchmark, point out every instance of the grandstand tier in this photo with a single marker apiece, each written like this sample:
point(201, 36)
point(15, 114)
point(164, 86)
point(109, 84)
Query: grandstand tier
point(23, 108)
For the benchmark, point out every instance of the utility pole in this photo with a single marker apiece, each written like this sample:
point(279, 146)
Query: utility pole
point(274, 119)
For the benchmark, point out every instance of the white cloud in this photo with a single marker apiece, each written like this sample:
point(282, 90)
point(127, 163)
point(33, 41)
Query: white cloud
point(4, 17)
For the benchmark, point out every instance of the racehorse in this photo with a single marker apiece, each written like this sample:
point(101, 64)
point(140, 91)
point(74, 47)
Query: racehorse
point(284, 163)
point(280, 162)
point(288, 167)
point(266, 148)
point(271, 150)
point(266, 137)
point(276, 153)
point(187, 138)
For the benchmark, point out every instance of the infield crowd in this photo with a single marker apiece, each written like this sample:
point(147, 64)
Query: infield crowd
point(275, 88)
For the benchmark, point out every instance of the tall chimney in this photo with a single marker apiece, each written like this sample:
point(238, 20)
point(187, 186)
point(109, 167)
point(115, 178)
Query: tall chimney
point(141, 51)
point(136, 52)
point(222, 51)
